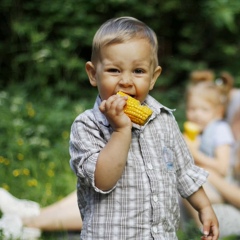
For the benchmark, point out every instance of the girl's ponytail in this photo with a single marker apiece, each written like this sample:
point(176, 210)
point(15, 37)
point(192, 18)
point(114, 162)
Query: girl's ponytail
point(225, 84)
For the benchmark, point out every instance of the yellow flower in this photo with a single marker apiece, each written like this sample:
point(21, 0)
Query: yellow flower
point(32, 182)
point(65, 135)
point(5, 186)
point(30, 110)
point(48, 192)
point(2, 159)
point(50, 173)
point(26, 171)
point(6, 162)
point(16, 172)
point(20, 141)
point(48, 189)
point(20, 156)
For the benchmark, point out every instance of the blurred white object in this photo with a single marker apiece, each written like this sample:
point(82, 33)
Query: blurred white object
point(21, 207)
point(11, 226)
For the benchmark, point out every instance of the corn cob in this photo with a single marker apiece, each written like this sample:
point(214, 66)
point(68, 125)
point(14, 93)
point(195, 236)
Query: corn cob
point(191, 130)
point(136, 112)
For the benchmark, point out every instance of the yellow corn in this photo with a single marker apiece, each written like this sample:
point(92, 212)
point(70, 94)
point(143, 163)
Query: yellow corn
point(191, 130)
point(136, 112)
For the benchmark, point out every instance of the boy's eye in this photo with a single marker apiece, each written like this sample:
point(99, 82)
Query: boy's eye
point(113, 70)
point(138, 71)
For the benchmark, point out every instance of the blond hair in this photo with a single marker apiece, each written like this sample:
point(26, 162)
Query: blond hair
point(202, 76)
point(215, 91)
point(120, 30)
point(217, 95)
point(225, 79)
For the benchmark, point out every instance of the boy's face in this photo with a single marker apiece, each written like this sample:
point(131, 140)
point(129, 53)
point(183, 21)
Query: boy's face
point(201, 111)
point(126, 67)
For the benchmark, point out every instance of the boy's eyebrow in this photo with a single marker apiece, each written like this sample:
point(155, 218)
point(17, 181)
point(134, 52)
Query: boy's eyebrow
point(112, 61)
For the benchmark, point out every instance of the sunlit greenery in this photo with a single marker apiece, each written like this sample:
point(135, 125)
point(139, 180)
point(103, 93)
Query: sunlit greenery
point(34, 154)
point(46, 44)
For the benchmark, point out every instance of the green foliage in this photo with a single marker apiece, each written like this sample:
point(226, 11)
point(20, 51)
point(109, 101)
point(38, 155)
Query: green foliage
point(47, 44)
point(190, 232)
point(34, 158)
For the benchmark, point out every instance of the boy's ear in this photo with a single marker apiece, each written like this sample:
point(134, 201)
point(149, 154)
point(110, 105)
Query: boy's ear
point(91, 72)
point(156, 74)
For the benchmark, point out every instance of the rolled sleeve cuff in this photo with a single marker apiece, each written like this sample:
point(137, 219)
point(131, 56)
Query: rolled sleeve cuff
point(191, 180)
point(90, 168)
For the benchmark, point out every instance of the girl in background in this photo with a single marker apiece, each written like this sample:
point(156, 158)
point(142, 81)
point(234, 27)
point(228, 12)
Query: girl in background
point(206, 107)
point(214, 143)
point(226, 84)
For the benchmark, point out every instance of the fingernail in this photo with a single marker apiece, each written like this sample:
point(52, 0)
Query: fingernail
point(205, 234)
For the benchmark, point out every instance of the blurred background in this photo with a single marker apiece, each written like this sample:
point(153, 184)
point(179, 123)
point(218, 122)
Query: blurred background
point(43, 85)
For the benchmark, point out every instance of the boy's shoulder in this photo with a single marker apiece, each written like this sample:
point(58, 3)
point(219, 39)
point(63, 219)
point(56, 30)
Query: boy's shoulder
point(157, 107)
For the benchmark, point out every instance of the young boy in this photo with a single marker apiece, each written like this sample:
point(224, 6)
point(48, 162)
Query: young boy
point(129, 176)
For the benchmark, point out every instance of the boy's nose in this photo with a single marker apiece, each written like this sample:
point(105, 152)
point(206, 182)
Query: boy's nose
point(126, 79)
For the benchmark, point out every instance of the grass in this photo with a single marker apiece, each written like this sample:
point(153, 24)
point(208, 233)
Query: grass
point(34, 157)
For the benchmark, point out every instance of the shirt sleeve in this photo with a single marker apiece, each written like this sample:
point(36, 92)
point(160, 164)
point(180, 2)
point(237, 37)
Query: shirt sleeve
point(86, 142)
point(189, 176)
point(223, 134)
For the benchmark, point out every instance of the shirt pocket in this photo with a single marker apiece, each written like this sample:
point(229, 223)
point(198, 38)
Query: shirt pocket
point(167, 155)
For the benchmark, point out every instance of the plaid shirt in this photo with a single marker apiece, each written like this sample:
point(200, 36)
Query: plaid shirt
point(144, 203)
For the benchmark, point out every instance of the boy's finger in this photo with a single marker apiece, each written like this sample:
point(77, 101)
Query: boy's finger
point(210, 233)
point(215, 233)
point(102, 106)
point(206, 230)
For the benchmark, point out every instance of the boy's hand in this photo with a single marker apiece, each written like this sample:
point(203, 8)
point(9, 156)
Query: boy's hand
point(113, 109)
point(210, 224)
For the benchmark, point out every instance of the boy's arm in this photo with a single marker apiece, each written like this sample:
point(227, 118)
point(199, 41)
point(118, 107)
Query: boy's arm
point(201, 203)
point(112, 158)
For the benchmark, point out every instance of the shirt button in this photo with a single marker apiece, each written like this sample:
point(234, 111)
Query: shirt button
point(155, 230)
point(155, 198)
point(149, 165)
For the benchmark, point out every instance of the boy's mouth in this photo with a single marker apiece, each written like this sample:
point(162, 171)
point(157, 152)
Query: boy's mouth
point(133, 96)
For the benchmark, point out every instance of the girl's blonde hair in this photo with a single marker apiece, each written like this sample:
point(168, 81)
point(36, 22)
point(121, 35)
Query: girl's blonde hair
point(205, 85)
point(120, 30)
point(202, 76)
point(217, 95)
point(225, 80)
